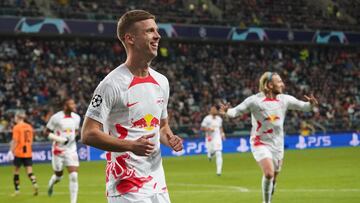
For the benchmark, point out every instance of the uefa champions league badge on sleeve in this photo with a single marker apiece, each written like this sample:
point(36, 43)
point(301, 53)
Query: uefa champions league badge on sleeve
point(96, 100)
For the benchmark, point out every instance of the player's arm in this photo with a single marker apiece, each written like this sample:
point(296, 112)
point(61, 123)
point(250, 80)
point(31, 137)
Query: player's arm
point(168, 138)
point(49, 131)
point(92, 134)
point(11, 152)
point(77, 131)
point(295, 104)
point(12, 146)
point(240, 109)
point(14, 141)
point(77, 135)
point(222, 133)
point(52, 136)
point(206, 129)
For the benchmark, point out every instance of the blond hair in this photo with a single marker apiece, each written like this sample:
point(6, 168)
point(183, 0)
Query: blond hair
point(265, 79)
point(20, 114)
point(127, 20)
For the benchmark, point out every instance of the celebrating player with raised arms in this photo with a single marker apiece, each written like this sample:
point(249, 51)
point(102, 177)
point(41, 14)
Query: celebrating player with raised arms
point(268, 109)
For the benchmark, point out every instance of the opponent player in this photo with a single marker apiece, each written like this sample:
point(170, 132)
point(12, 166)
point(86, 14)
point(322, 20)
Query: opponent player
point(212, 125)
point(21, 147)
point(128, 117)
point(62, 128)
point(268, 109)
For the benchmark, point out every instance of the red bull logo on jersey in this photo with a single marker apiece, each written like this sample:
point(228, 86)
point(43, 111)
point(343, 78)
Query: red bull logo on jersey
point(68, 131)
point(272, 118)
point(148, 122)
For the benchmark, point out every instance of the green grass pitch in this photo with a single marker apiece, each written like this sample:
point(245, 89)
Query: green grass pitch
point(319, 176)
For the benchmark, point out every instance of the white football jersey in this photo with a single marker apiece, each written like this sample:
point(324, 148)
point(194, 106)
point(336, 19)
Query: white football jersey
point(64, 126)
point(130, 107)
point(215, 123)
point(267, 118)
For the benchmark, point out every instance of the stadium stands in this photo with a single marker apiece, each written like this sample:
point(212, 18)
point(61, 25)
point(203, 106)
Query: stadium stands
point(300, 14)
point(37, 73)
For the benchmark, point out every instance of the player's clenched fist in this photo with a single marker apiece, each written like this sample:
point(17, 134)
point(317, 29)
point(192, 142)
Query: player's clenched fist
point(143, 146)
point(175, 142)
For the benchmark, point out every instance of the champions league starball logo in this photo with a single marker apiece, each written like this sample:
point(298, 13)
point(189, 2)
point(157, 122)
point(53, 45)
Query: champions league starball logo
point(96, 100)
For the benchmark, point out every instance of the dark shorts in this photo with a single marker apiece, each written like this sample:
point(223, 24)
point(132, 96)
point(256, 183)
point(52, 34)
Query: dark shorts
point(22, 161)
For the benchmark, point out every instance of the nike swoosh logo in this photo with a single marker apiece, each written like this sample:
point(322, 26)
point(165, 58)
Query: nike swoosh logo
point(132, 104)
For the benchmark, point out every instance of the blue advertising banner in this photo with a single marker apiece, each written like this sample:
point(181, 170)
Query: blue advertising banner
point(241, 144)
point(56, 26)
point(42, 151)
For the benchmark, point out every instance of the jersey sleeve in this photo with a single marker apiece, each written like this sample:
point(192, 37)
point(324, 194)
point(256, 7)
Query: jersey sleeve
point(78, 121)
point(205, 122)
point(101, 102)
point(164, 113)
point(295, 104)
point(241, 108)
point(51, 125)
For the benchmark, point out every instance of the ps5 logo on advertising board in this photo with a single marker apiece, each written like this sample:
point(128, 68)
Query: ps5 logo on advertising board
point(313, 141)
point(191, 148)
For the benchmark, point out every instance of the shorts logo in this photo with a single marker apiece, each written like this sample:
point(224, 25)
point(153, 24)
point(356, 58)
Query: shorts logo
point(96, 100)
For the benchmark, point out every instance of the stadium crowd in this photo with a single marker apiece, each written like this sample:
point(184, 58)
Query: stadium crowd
point(300, 14)
point(37, 74)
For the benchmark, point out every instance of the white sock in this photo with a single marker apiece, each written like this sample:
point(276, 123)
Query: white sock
point(54, 179)
point(267, 185)
point(219, 162)
point(73, 186)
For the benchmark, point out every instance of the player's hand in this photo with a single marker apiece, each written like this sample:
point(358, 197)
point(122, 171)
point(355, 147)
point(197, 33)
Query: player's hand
point(313, 101)
point(223, 108)
point(10, 155)
point(143, 146)
point(175, 142)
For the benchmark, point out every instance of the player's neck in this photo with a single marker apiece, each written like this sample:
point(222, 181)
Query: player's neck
point(20, 122)
point(139, 68)
point(270, 95)
point(67, 113)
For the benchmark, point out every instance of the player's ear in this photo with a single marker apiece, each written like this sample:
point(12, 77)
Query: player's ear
point(129, 38)
point(268, 86)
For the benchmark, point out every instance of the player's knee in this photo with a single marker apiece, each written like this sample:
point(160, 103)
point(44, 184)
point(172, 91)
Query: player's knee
point(269, 174)
point(73, 177)
point(58, 173)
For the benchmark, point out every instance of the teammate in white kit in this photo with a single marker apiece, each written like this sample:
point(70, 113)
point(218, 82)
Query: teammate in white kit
point(62, 128)
point(268, 109)
point(127, 117)
point(212, 125)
